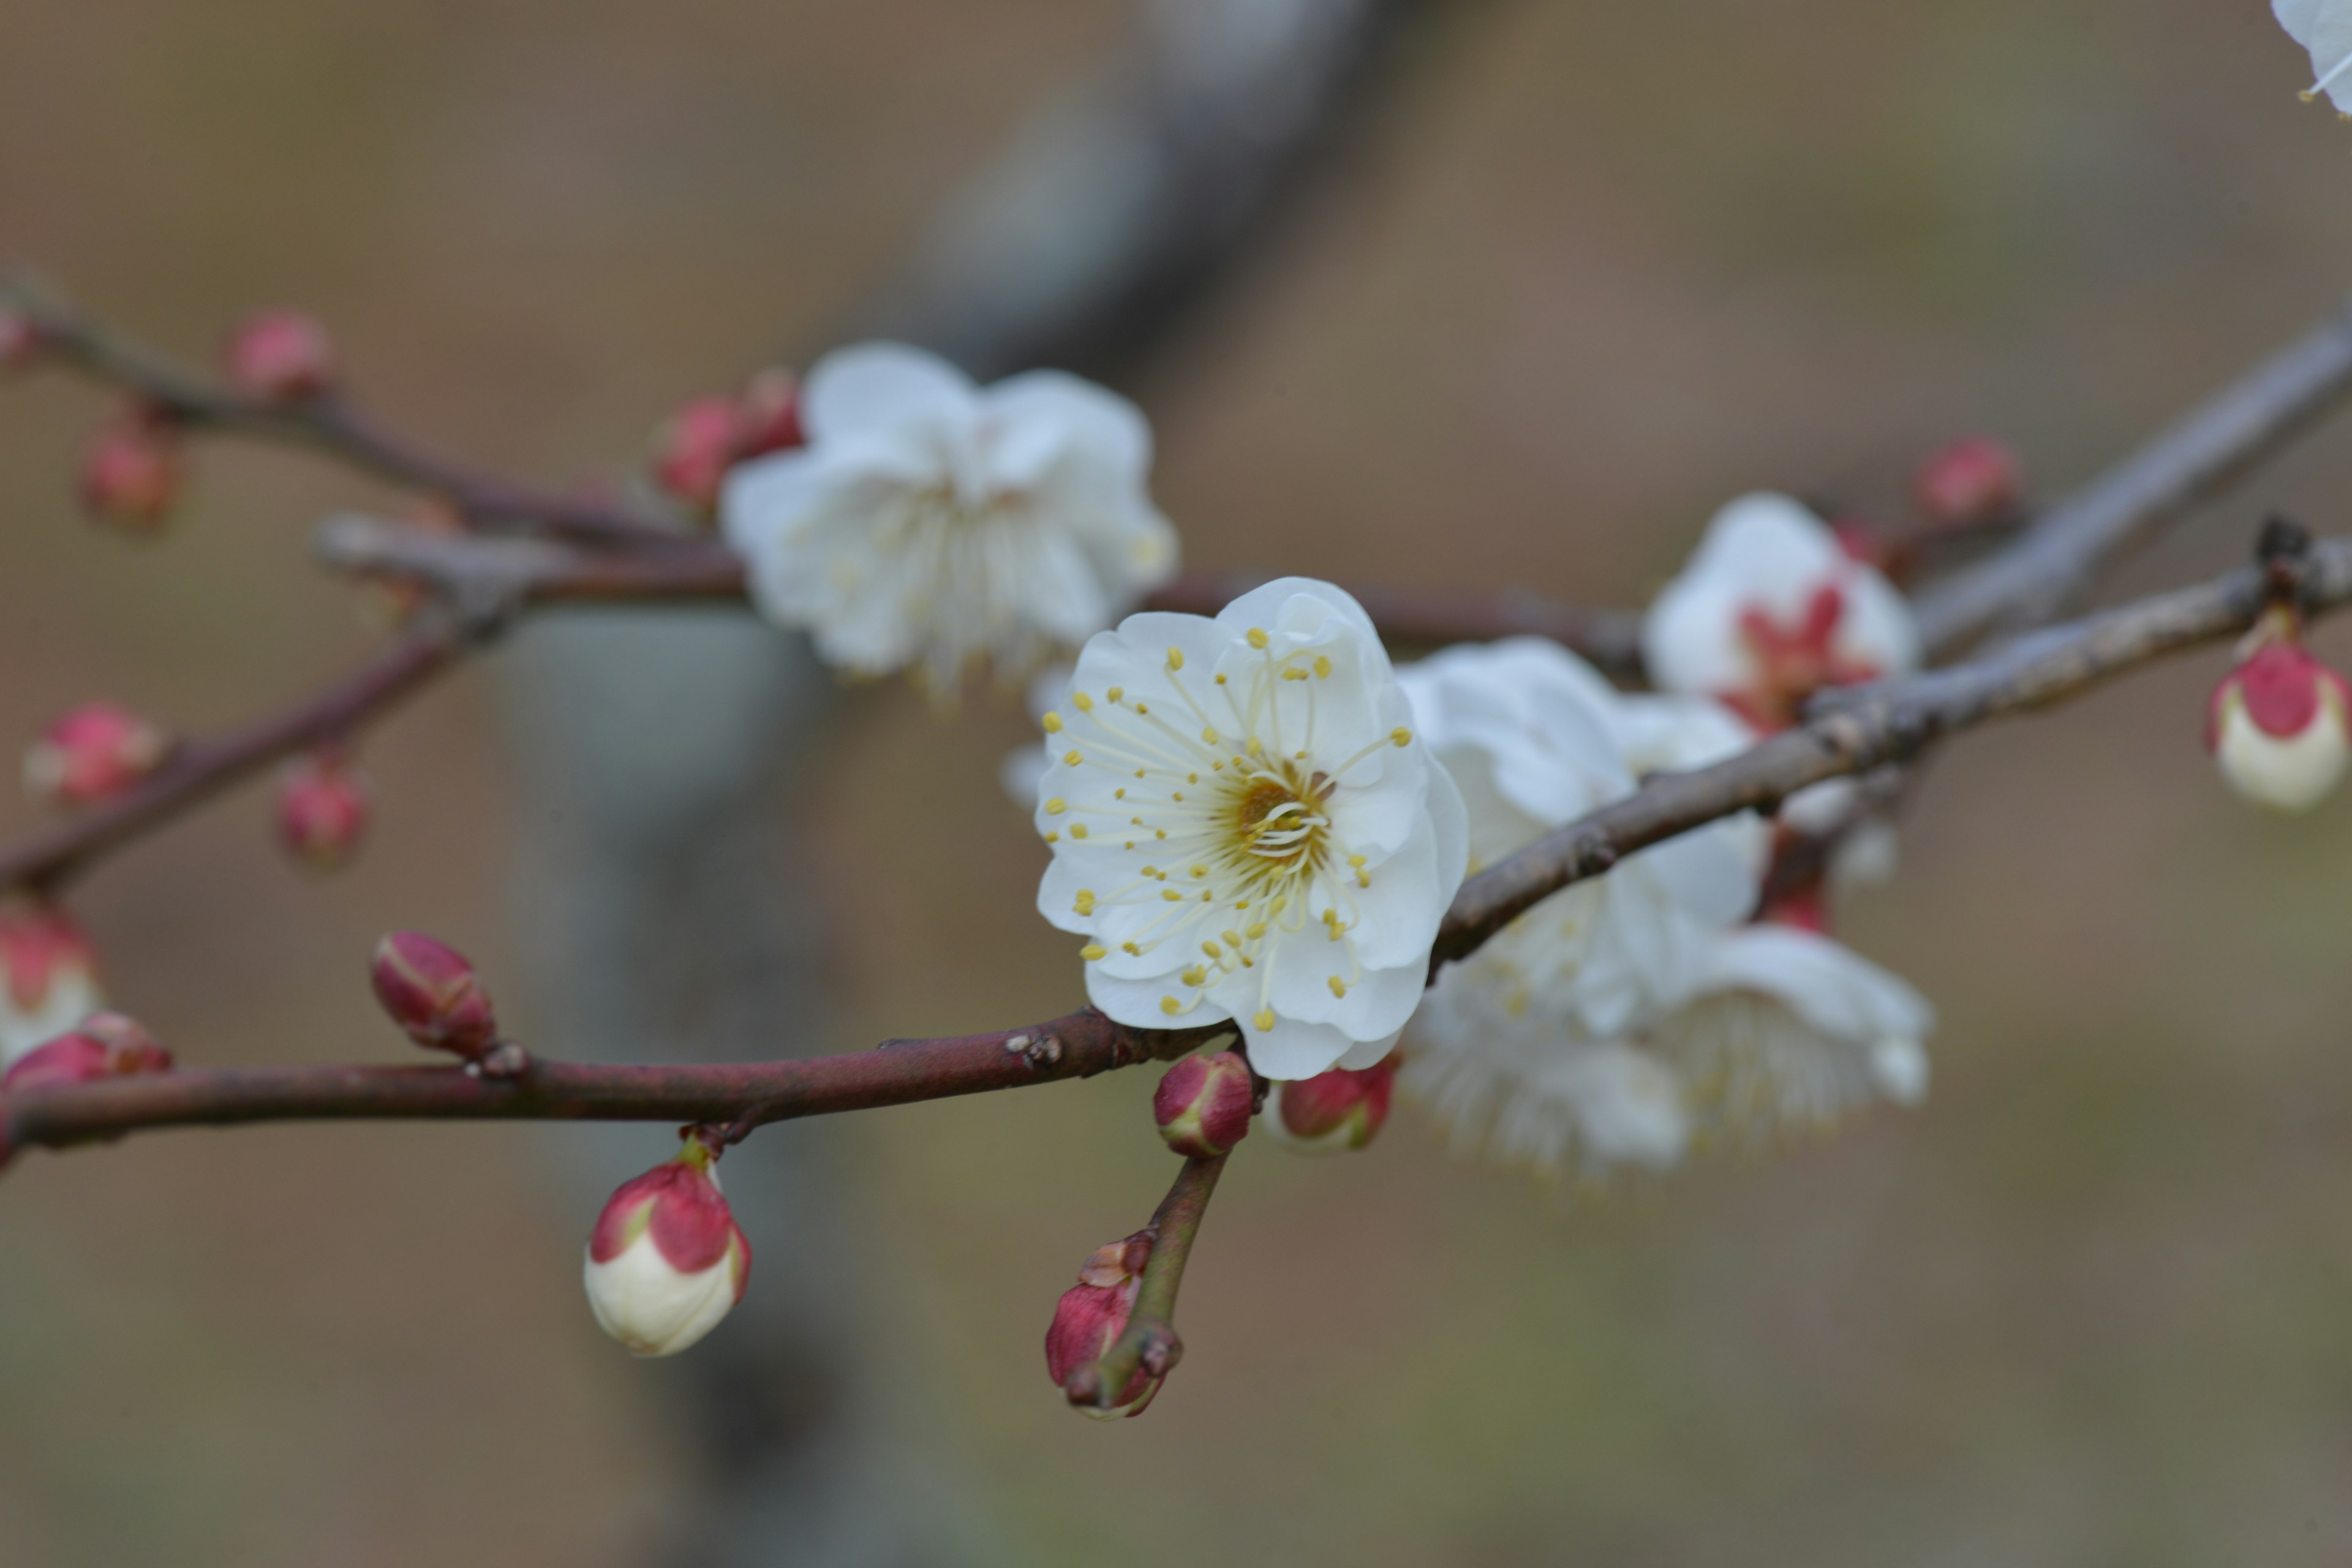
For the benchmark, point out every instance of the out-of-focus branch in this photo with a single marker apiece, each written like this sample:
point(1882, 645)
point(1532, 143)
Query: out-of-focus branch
point(328, 423)
point(1849, 731)
point(200, 769)
point(1150, 1341)
point(2053, 564)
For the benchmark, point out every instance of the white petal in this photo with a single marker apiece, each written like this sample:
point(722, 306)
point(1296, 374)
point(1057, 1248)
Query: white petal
point(653, 1309)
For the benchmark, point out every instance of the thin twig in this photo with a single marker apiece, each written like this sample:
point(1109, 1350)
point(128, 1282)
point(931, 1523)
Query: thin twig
point(1150, 1341)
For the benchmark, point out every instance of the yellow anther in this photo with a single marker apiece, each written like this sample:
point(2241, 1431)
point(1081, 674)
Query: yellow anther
point(1192, 778)
point(1175, 794)
point(1159, 833)
point(1053, 722)
point(1400, 735)
point(1323, 664)
point(1233, 939)
point(1073, 757)
point(1116, 693)
point(1169, 1004)
point(1171, 895)
point(1265, 1019)
point(1363, 878)
point(1338, 986)
point(1131, 949)
point(1085, 902)
point(1078, 830)
point(1330, 917)
point(1052, 836)
point(1281, 902)
point(1056, 806)
point(1257, 637)
point(1255, 748)
point(1220, 679)
point(1199, 871)
point(1086, 704)
point(1210, 949)
point(1208, 895)
point(1355, 859)
point(1119, 793)
point(1175, 659)
point(1142, 707)
point(1254, 930)
point(1194, 975)
point(1292, 672)
point(1210, 736)
point(1092, 951)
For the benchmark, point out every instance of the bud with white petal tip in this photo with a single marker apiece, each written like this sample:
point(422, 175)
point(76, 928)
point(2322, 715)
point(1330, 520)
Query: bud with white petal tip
point(666, 1260)
point(2277, 723)
point(90, 752)
point(432, 991)
point(104, 1045)
point(1092, 1315)
point(1204, 1104)
point(48, 976)
point(1332, 1113)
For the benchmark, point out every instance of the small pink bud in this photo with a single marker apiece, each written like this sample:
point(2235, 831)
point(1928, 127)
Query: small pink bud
point(434, 994)
point(693, 449)
point(1332, 1111)
point(132, 472)
point(21, 346)
point(666, 1260)
point(1093, 1313)
point(280, 356)
point(92, 752)
point(104, 1045)
point(2278, 725)
point(48, 976)
point(324, 805)
point(768, 414)
point(1204, 1104)
point(1971, 481)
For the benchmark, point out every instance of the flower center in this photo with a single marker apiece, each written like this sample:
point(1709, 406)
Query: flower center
point(1278, 820)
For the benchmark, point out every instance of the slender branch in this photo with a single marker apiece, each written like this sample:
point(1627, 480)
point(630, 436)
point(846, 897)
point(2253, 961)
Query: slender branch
point(200, 769)
point(330, 424)
point(2189, 462)
point(1150, 1342)
point(1849, 731)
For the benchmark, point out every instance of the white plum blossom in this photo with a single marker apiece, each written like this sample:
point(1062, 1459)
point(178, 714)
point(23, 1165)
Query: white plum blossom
point(2325, 28)
point(1770, 608)
point(933, 522)
point(2277, 723)
point(666, 1260)
point(1244, 827)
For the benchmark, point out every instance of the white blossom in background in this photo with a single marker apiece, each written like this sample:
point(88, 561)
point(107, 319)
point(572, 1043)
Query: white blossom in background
point(2325, 28)
point(1023, 765)
point(1244, 825)
point(1768, 609)
point(934, 523)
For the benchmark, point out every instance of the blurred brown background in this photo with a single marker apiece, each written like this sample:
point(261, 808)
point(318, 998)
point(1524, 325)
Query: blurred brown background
point(1596, 269)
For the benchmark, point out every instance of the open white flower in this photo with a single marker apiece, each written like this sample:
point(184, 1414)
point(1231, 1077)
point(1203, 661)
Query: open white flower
point(2323, 27)
point(1768, 609)
point(1244, 825)
point(1536, 739)
point(933, 522)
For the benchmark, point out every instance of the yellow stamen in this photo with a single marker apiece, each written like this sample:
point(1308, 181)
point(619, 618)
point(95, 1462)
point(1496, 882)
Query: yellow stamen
point(1092, 951)
point(1257, 638)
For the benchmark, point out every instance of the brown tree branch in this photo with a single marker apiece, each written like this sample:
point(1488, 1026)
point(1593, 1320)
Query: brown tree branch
point(1849, 731)
point(1149, 1340)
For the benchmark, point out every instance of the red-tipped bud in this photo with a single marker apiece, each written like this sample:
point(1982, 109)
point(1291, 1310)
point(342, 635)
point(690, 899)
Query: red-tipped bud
point(132, 472)
point(280, 356)
point(666, 1260)
point(48, 976)
point(1973, 480)
point(1332, 1111)
point(324, 805)
point(104, 1045)
point(1093, 1313)
point(434, 994)
point(1204, 1104)
point(92, 752)
point(693, 449)
point(2278, 725)
point(768, 414)
point(21, 344)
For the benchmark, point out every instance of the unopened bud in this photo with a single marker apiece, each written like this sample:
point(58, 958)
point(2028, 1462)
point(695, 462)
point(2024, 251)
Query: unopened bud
point(1204, 1104)
point(1332, 1111)
point(104, 1045)
point(92, 752)
point(132, 472)
point(20, 341)
point(1092, 1315)
point(324, 806)
point(1973, 480)
point(693, 449)
point(666, 1260)
point(48, 976)
point(434, 994)
point(279, 356)
point(768, 414)
point(2277, 726)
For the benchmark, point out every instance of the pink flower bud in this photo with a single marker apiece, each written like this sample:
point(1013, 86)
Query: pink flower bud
point(1093, 1313)
point(94, 750)
point(322, 809)
point(132, 472)
point(434, 994)
point(1332, 1111)
point(666, 1260)
point(2277, 725)
point(48, 976)
point(768, 414)
point(1971, 481)
point(1204, 1104)
point(280, 356)
point(693, 449)
point(20, 341)
point(104, 1045)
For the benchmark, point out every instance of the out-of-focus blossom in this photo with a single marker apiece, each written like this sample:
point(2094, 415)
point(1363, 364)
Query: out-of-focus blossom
point(693, 449)
point(90, 752)
point(21, 343)
point(933, 523)
point(1974, 480)
point(48, 976)
point(323, 808)
point(1333, 1112)
point(280, 356)
point(1244, 825)
point(2276, 724)
point(2325, 28)
point(132, 472)
point(666, 1260)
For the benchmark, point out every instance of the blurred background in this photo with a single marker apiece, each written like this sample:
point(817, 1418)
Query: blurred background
point(1581, 273)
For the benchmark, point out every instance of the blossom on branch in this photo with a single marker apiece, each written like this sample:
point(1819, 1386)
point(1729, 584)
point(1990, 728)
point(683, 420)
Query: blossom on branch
point(2277, 723)
point(933, 523)
point(1245, 826)
point(2323, 27)
point(666, 1260)
point(48, 976)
